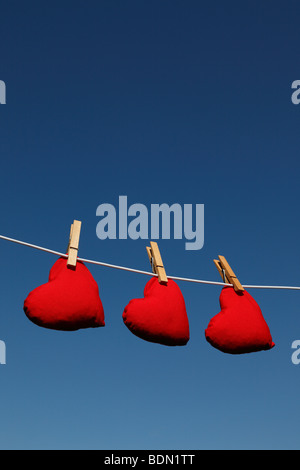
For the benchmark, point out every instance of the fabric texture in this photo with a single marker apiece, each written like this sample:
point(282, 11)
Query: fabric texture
point(240, 326)
point(160, 317)
point(68, 301)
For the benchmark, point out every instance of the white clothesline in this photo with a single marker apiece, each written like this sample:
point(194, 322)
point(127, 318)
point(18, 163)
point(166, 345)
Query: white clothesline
point(123, 268)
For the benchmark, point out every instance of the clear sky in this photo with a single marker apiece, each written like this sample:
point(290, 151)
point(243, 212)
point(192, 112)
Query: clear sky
point(168, 101)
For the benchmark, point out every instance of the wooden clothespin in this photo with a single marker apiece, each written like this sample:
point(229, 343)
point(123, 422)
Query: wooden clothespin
point(157, 263)
point(73, 244)
point(227, 274)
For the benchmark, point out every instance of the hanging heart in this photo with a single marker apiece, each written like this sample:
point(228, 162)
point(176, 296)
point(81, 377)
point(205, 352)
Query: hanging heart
point(240, 326)
point(160, 317)
point(68, 301)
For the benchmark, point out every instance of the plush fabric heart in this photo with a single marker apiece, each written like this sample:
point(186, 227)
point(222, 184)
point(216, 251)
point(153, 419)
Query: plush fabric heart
point(160, 317)
point(240, 326)
point(69, 301)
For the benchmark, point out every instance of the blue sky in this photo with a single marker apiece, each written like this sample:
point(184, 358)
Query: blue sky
point(164, 102)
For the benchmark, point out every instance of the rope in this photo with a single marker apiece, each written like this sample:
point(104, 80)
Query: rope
point(138, 271)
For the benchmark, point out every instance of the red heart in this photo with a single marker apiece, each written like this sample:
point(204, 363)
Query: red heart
point(69, 301)
point(160, 317)
point(240, 326)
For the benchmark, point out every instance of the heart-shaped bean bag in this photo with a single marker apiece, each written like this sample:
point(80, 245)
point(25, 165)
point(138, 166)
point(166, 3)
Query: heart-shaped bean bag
point(240, 326)
point(160, 317)
point(69, 301)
